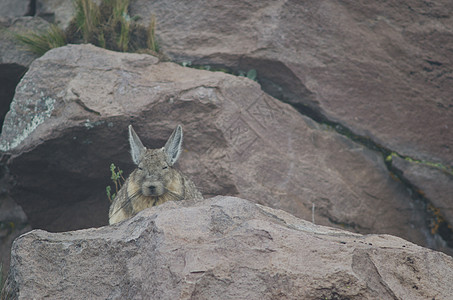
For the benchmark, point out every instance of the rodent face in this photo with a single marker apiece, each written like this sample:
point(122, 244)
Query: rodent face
point(153, 173)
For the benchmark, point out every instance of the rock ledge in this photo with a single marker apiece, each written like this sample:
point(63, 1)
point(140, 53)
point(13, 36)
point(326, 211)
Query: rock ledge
point(223, 248)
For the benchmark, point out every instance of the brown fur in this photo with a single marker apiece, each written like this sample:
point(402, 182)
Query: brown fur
point(156, 171)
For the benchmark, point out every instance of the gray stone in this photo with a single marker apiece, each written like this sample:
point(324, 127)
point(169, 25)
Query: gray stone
point(59, 12)
point(14, 8)
point(14, 57)
point(223, 248)
point(11, 50)
point(68, 122)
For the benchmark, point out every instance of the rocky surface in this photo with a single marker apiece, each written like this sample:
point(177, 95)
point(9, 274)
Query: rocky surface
point(68, 122)
point(15, 8)
point(384, 70)
point(223, 248)
point(13, 222)
point(432, 184)
point(14, 58)
point(381, 70)
point(59, 12)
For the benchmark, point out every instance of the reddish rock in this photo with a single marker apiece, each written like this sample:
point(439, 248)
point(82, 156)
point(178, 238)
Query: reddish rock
point(68, 123)
point(223, 248)
point(381, 69)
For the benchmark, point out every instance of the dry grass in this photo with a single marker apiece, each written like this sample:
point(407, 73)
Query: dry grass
point(40, 43)
point(108, 25)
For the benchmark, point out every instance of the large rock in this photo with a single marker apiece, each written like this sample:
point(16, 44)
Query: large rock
point(14, 62)
point(15, 8)
point(223, 248)
point(382, 70)
point(14, 57)
point(68, 123)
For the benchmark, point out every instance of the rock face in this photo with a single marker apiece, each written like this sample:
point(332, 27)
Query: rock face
point(15, 8)
point(435, 185)
point(68, 122)
point(223, 248)
point(14, 59)
point(383, 70)
point(59, 12)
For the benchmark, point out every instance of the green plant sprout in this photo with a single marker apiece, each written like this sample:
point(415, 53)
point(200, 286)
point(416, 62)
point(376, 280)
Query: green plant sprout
point(250, 74)
point(439, 166)
point(118, 180)
point(151, 41)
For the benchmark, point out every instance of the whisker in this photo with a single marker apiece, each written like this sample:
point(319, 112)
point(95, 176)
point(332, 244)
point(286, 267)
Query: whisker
point(129, 200)
point(174, 195)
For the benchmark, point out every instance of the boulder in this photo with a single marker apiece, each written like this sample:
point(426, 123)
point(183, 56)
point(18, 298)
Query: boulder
point(68, 122)
point(14, 58)
point(380, 69)
point(223, 248)
point(14, 62)
point(15, 8)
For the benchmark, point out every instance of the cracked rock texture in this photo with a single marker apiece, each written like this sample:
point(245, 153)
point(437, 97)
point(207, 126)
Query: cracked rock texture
point(68, 122)
point(223, 248)
point(382, 70)
point(435, 185)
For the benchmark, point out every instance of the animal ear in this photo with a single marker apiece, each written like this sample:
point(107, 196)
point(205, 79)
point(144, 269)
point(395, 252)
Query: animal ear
point(137, 148)
point(173, 146)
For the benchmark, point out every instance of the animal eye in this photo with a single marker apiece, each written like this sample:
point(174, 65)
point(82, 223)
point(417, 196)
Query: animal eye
point(140, 168)
point(166, 167)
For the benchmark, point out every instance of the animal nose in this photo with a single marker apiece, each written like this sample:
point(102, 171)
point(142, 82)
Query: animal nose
point(152, 189)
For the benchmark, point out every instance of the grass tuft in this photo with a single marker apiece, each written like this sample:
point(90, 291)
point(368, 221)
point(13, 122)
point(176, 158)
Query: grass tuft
point(108, 25)
point(151, 41)
point(40, 43)
point(87, 19)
